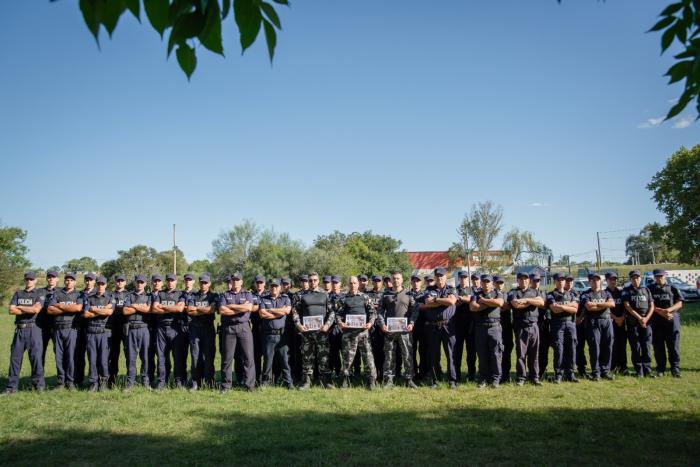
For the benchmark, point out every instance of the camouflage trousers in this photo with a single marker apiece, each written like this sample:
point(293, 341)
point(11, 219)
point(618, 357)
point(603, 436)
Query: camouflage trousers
point(314, 349)
point(351, 341)
point(403, 341)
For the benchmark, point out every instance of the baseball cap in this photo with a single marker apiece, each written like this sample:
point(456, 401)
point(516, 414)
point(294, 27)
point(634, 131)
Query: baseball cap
point(593, 275)
point(286, 281)
point(376, 278)
point(440, 271)
point(275, 282)
point(259, 278)
point(326, 279)
point(498, 279)
point(558, 277)
point(659, 272)
point(139, 278)
point(487, 278)
point(635, 273)
point(170, 277)
point(534, 276)
point(523, 275)
point(236, 276)
point(362, 277)
point(51, 273)
point(462, 274)
point(156, 277)
point(611, 275)
point(415, 277)
point(304, 278)
point(101, 280)
point(120, 277)
point(204, 278)
point(335, 279)
point(188, 277)
point(30, 275)
point(90, 276)
point(70, 275)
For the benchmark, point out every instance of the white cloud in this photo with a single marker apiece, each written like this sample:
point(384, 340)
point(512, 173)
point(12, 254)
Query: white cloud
point(651, 123)
point(539, 205)
point(681, 123)
point(673, 101)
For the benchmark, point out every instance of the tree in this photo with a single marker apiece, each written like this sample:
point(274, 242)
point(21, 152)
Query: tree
point(84, 264)
point(479, 229)
point(13, 258)
point(190, 23)
point(139, 259)
point(676, 190)
point(275, 255)
point(200, 266)
point(517, 242)
point(231, 250)
point(165, 261)
point(651, 245)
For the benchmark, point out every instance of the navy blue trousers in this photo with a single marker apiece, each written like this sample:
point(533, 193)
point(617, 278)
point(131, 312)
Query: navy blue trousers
point(564, 342)
point(138, 345)
point(64, 346)
point(599, 335)
point(640, 343)
point(667, 336)
point(98, 355)
point(29, 339)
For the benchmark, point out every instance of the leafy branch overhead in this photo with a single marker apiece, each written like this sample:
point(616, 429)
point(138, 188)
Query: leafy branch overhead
point(680, 22)
point(188, 22)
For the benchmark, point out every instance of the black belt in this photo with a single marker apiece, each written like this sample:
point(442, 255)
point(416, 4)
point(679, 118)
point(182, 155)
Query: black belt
point(97, 330)
point(274, 332)
point(524, 324)
point(25, 325)
point(563, 318)
point(165, 324)
point(137, 325)
point(62, 326)
point(598, 316)
point(488, 324)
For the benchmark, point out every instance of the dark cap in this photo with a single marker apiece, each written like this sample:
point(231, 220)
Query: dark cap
point(304, 278)
point(386, 278)
point(286, 281)
point(227, 278)
point(486, 278)
point(461, 274)
point(90, 276)
point(170, 277)
point(275, 282)
point(607, 275)
point(376, 278)
point(523, 275)
point(336, 279)
point(475, 277)
point(52, 273)
point(188, 277)
point(415, 277)
point(205, 278)
point(439, 271)
point(569, 277)
point(498, 279)
point(593, 275)
point(659, 272)
point(120, 277)
point(429, 277)
point(236, 276)
point(558, 276)
point(69, 275)
point(326, 279)
point(101, 280)
point(534, 276)
point(259, 278)
point(635, 273)
point(362, 277)
point(611, 275)
point(139, 278)
point(30, 275)
point(156, 277)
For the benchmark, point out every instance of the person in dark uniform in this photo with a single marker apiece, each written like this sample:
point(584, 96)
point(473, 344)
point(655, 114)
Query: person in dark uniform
point(488, 335)
point(581, 361)
point(563, 306)
point(597, 304)
point(463, 322)
point(156, 287)
point(235, 307)
point(185, 321)
point(314, 349)
point(355, 302)
point(506, 331)
point(619, 353)
point(438, 303)
point(274, 309)
point(376, 336)
point(43, 320)
point(419, 360)
point(335, 334)
point(543, 322)
point(294, 338)
point(81, 323)
point(64, 308)
point(258, 292)
point(639, 305)
point(666, 323)
point(201, 309)
point(364, 282)
point(118, 335)
point(25, 305)
point(167, 306)
point(327, 286)
point(97, 310)
point(137, 308)
point(525, 301)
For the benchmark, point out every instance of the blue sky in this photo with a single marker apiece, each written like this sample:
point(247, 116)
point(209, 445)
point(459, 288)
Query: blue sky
point(390, 116)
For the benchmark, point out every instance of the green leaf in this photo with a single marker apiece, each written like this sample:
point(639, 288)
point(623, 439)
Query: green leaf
point(282, 2)
point(158, 14)
point(226, 7)
point(681, 32)
point(248, 19)
point(186, 58)
point(111, 11)
point(682, 103)
point(271, 14)
point(91, 15)
point(210, 37)
point(667, 38)
point(134, 7)
point(185, 27)
point(671, 9)
point(679, 71)
point(271, 38)
point(662, 24)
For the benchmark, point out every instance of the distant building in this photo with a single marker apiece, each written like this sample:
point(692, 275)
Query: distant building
point(425, 262)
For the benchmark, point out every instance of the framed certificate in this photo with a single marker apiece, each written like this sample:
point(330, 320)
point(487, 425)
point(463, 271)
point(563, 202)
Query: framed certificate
point(313, 323)
point(397, 324)
point(356, 321)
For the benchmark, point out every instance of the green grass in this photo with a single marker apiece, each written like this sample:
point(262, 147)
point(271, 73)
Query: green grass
point(627, 421)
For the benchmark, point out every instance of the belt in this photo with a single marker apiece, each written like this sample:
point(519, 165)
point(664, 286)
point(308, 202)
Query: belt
point(97, 330)
point(597, 316)
point(488, 324)
point(274, 332)
point(563, 318)
point(25, 325)
point(62, 326)
point(437, 323)
point(165, 324)
point(524, 324)
point(137, 325)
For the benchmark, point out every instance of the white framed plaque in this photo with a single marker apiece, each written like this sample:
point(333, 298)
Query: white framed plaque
point(397, 324)
point(313, 323)
point(356, 321)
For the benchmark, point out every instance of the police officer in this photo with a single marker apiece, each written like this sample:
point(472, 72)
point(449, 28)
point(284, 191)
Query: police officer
point(398, 303)
point(438, 303)
point(488, 335)
point(118, 336)
point(43, 320)
point(25, 306)
point(156, 287)
point(375, 334)
point(543, 321)
point(563, 306)
point(137, 308)
point(463, 325)
point(167, 306)
point(506, 330)
point(201, 309)
point(335, 334)
point(364, 282)
point(235, 307)
point(356, 303)
point(185, 320)
point(294, 338)
point(419, 360)
point(619, 353)
point(314, 342)
point(327, 286)
point(258, 292)
point(639, 305)
point(64, 308)
point(273, 311)
point(525, 301)
point(666, 322)
point(97, 309)
point(581, 361)
point(81, 322)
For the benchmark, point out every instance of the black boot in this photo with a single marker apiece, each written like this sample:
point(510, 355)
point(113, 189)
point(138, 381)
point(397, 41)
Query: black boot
point(306, 383)
point(388, 382)
point(371, 384)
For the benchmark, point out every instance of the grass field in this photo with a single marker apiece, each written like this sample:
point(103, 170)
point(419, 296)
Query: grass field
point(627, 421)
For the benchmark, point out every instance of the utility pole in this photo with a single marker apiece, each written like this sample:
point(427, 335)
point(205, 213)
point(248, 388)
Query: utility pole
point(600, 252)
point(469, 257)
point(174, 252)
point(653, 255)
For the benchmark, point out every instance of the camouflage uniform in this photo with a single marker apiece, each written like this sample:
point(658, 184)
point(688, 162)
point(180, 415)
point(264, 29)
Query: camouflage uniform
point(397, 305)
point(356, 304)
point(376, 335)
point(335, 339)
point(419, 364)
point(314, 344)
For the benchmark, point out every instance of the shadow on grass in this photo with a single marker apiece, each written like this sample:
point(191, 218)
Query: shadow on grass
point(456, 436)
